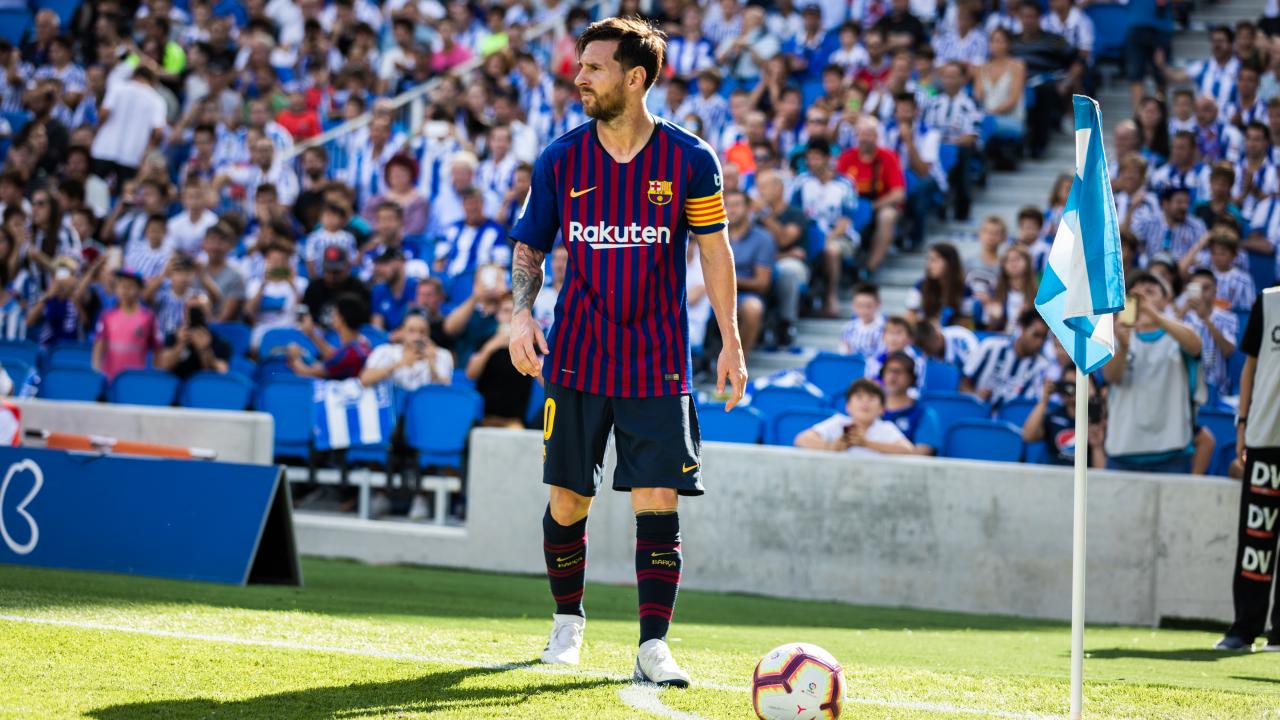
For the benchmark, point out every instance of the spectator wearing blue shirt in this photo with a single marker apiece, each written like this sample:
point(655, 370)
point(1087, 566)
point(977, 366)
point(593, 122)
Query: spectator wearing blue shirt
point(473, 241)
point(808, 52)
point(919, 423)
point(395, 292)
point(753, 257)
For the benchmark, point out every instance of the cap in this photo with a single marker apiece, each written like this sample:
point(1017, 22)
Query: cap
point(130, 274)
point(335, 260)
point(391, 253)
point(812, 7)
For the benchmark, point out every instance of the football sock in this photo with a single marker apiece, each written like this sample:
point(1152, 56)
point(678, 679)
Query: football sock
point(565, 549)
point(657, 570)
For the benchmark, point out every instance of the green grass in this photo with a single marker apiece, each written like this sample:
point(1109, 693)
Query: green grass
point(410, 642)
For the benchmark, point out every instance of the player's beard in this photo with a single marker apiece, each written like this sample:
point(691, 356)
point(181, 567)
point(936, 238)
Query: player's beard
point(607, 106)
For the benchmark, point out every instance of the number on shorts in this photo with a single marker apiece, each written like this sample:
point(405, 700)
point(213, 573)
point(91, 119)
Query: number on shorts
point(548, 418)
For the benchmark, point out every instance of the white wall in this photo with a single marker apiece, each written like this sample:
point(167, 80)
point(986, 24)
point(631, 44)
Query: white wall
point(919, 532)
point(236, 436)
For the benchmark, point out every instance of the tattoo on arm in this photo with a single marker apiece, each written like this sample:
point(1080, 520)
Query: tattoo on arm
point(526, 276)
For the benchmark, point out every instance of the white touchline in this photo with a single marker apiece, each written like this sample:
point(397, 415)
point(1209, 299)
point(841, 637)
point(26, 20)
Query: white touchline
point(644, 697)
point(534, 668)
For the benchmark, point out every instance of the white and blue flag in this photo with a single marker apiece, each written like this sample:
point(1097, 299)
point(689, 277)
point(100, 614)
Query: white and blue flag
point(1083, 283)
point(349, 414)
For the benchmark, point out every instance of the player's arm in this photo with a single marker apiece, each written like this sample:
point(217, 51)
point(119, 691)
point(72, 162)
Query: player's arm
point(533, 235)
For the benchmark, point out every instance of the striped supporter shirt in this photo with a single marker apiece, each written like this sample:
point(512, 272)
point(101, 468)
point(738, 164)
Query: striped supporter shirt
point(996, 366)
point(621, 326)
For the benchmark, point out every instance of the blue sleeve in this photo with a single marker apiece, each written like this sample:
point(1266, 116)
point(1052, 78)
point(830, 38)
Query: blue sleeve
point(704, 199)
point(539, 219)
point(929, 431)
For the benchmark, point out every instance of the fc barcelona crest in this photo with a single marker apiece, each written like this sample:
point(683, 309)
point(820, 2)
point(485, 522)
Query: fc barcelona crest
point(659, 192)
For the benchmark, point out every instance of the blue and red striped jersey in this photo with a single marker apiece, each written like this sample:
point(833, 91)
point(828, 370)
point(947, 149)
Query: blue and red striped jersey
point(621, 326)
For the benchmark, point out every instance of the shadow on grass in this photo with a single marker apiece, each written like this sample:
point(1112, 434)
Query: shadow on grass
point(1185, 654)
point(1246, 678)
point(348, 589)
point(433, 692)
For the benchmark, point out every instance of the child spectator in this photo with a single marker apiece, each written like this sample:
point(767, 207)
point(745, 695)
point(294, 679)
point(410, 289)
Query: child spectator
point(864, 334)
point(1218, 328)
point(346, 360)
point(1015, 290)
point(275, 298)
point(127, 332)
point(942, 294)
point(862, 431)
point(918, 423)
point(984, 271)
point(56, 312)
point(896, 339)
point(1030, 223)
point(168, 293)
point(332, 233)
point(150, 257)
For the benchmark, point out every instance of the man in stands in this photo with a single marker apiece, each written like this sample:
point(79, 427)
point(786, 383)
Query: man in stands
point(877, 175)
point(1053, 421)
point(917, 147)
point(474, 240)
point(956, 116)
point(753, 256)
point(335, 281)
point(830, 201)
point(1174, 230)
point(787, 224)
point(1218, 328)
point(394, 292)
point(1005, 368)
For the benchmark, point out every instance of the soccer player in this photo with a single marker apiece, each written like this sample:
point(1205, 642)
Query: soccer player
point(624, 190)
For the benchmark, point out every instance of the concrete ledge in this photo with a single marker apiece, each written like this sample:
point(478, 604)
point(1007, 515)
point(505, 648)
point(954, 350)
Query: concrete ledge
point(914, 532)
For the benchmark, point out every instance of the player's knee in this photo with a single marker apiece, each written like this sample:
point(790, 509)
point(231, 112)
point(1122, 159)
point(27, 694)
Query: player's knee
point(654, 499)
point(568, 507)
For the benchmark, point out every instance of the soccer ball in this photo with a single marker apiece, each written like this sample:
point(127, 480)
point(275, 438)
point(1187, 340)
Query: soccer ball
point(798, 681)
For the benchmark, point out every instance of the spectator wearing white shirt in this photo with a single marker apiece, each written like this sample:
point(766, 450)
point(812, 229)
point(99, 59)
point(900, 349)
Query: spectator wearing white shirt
point(1005, 368)
point(1247, 106)
point(1182, 170)
point(131, 122)
point(185, 231)
point(1217, 140)
point(1215, 76)
point(1217, 328)
point(829, 200)
point(446, 206)
point(1135, 205)
point(262, 169)
point(917, 146)
point(966, 42)
point(956, 116)
point(472, 241)
point(332, 233)
point(274, 297)
point(1067, 20)
point(862, 431)
point(1256, 177)
point(1174, 231)
point(149, 257)
point(495, 174)
point(365, 168)
point(864, 333)
point(544, 305)
point(524, 139)
point(560, 116)
point(690, 52)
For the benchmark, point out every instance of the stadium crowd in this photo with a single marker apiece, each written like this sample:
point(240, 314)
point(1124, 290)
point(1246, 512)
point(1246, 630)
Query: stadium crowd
point(168, 175)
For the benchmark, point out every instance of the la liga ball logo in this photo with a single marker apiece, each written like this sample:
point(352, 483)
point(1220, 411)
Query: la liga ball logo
point(659, 192)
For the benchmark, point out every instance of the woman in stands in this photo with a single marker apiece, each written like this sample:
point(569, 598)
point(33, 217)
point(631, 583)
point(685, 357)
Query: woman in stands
point(1015, 289)
point(1057, 206)
point(942, 294)
point(401, 174)
point(1153, 129)
point(999, 88)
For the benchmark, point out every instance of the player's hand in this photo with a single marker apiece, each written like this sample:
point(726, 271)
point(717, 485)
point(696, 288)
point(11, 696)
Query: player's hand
point(527, 345)
point(731, 367)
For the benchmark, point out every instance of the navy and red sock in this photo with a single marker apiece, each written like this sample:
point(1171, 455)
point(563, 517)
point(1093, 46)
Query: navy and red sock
point(565, 549)
point(658, 563)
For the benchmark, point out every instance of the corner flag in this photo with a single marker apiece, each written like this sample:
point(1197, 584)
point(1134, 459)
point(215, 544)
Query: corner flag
point(1083, 283)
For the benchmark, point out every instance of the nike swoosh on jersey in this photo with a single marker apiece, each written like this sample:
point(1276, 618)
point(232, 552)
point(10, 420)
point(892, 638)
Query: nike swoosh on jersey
point(579, 193)
point(687, 468)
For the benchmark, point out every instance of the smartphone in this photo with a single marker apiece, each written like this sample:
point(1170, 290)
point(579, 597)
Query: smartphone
point(490, 276)
point(280, 272)
point(1129, 315)
point(300, 313)
point(195, 317)
point(1193, 291)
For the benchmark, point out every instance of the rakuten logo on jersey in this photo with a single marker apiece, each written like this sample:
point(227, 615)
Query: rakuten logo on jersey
point(607, 237)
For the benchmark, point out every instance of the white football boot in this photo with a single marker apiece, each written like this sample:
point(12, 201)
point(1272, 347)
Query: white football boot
point(654, 664)
point(565, 644)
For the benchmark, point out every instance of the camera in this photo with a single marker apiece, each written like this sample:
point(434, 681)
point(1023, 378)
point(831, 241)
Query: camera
point(195, 317)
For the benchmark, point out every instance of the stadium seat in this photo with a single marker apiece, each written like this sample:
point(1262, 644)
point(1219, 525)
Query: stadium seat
point(1223, 455)
point(274, 342)
point(19, 372)
point(1221, 423)
point(82, 384)
point(1035, 453)
point(1235, 367)
point(770, 401)
point(23, 351)
point(438, 420)
point(71, 356)
point(243, 366)
point(740, 425)
point(14, 24)
point(786, 425)
point(289, 402)
point(954, 407)
point(236, 335)
point(16, 120)
point(940, 376)
point(983, 440)
point(460, 379)
point(1015, 412)
point(1263, 269)
point(216, 391)
point(156, 388)
point(1110, 23)
point(832, 372)
point(1242, 319)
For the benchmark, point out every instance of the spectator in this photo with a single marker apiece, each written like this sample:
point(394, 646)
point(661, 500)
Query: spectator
point(505, 390)
point(1256, 177)
point(917, 146)
point(192, 348)
point(302, 122)
point(401, 174)
point(331, 234)
point(1247, 107)
point(544, 305)
point(474, 320)
point(918, 423)
point(1217, 328)
point(900, 26)
point(829, 200)
point(1218, 208)
point(150, 256)
point(274, 298)
point(897, 338)
point(1149, 34)
point(965, 42)
point(1005, 368)
point(787, 224)
point(472, 241)
point(228, 301)
point(262, 169)
point(1217, 140)
point(395, 290)
point(942, 293)
point(1173, 231)
point(744, 55)
point(1044, 52)
point(862, 431)
point(413, 361)
point(955, 115)
point(984, 270)
point(345, 361)
point(1182, 170)
point(1151, 386)
point(1233, 286)
point(185, 232)
point(877, 175)
point(999, 88)
point(1153, 130)
point(1184, 107)
point(56, 315)
point(131, 122)
point(334, 282)
point(753, 255)
point(169, 291)
point(127, 333)
point(864, 333)
point(1214, 77)
point(1053, 421)
point(1015, 290)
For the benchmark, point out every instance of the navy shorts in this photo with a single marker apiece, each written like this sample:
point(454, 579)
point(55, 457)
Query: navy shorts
point(656, 441)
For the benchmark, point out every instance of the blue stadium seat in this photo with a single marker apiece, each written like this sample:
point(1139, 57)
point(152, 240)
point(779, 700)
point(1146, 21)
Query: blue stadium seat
point(1263, 269)
point(954, 407)
point(941, 376)
point(275, 342)
point(19, 372)
point(948, 154)
point(770, 401)
point(1242, 317)
point(16, 120)
point(375, 336)
point(71, 356)
point(1015, 412)
point(983, 440)
point(235, 334)
point(216, 391)
point(786, 425)
point(14, 24)
point(1221, 423)
point(1223, 455)
point(1110, 25)
point(460, 379)
point(1235, 367)
point(242, 365)
point(23, 351)
point(66, 9)
point(832, 372)
point(156, 388)
point(740, 425)
point(438, 420)
point(289, 402)
point(72, 384)
point(1035, 453)
point(423, 247)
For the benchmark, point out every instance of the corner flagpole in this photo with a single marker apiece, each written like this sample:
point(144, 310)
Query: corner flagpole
point(1078, 536)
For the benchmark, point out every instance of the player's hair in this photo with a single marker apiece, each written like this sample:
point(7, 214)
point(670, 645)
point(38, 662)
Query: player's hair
point(353, 310)
point(1223, 170)
point(867, 288)
point(640, 44)
point(863, 386)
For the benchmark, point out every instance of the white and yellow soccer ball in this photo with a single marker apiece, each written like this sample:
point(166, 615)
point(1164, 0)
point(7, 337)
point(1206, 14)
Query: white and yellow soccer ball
point(798, 681)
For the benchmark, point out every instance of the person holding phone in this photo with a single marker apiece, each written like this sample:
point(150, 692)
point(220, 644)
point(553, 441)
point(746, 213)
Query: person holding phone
point(1053, 421)
point(192, 348)
point(274, 299)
